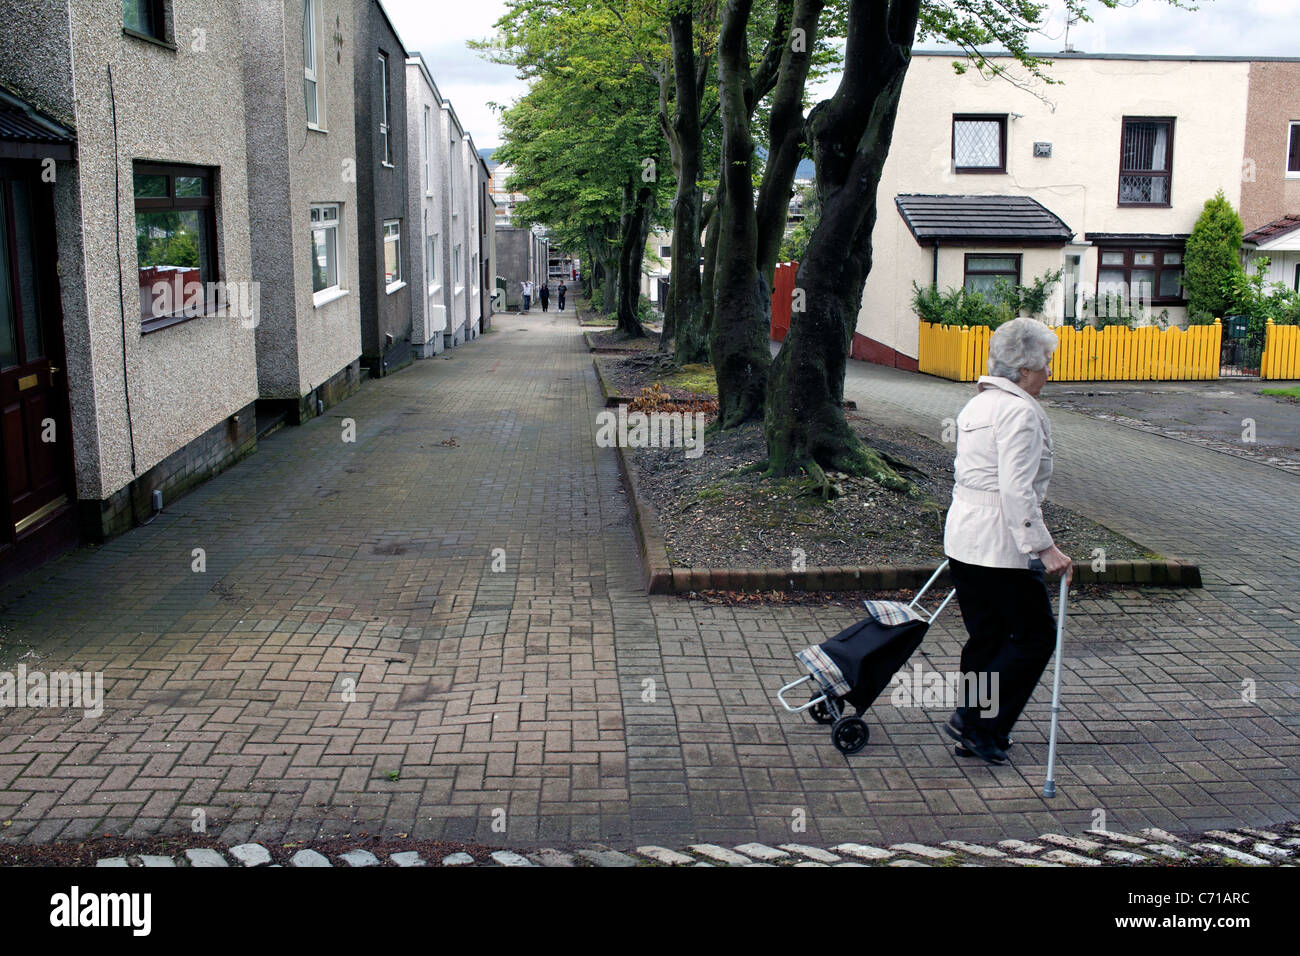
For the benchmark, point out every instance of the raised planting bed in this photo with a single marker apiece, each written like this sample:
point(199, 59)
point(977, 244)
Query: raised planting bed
point(704, 523)
point(623, 377)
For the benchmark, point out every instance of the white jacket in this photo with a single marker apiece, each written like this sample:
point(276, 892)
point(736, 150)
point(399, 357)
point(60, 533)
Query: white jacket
point(1004, 462)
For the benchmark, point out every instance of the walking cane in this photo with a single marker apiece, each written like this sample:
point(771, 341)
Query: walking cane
point(1049, 785)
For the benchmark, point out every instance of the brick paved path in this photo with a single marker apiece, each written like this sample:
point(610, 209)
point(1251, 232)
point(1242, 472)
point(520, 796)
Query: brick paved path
point(558, 692)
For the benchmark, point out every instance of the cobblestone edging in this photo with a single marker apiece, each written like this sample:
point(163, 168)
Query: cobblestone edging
point(663, 578)
point(1244, 846)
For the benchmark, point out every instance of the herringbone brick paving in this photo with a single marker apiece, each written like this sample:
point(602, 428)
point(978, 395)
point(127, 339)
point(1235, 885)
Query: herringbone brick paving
point(556, 691)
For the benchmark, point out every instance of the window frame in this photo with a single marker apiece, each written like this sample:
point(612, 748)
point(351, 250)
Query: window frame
point(385, 121)
point(157, 13)
point(434, 284)
point(1293, 150)
point(396, 238)
point(457, 280)
point(428, 150)
point(966, 271)
point(1001, 119)
point(206, 206)
point(1167, 173)
point(339, 288)
point(311, 74)
point(1130, 249)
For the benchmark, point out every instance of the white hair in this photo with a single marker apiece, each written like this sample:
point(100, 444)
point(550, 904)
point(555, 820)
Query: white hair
point(1020, 343)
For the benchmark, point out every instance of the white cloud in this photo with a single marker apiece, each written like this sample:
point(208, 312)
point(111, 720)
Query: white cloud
point(439, 30)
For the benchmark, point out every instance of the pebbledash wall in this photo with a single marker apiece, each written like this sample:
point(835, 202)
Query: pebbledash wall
point(308, 342)
point(429, 161)
point(381, 189)
point(166, 409)
point(1224, 114)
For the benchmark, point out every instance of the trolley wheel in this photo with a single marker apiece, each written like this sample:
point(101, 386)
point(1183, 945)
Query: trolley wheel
point(850, 734)
point(821, 713)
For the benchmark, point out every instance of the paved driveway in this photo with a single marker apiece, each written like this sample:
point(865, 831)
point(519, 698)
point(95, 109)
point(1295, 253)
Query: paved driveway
point(350, 660)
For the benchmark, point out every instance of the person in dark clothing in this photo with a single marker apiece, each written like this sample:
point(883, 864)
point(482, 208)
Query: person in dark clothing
point(563, 290)
point(544, 293)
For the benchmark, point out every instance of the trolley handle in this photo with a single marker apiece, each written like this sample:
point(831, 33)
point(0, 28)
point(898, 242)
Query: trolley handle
point(780, 695)
point(916, 601)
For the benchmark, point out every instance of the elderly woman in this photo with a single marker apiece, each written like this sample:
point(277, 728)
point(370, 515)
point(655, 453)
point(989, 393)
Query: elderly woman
point(997, 544)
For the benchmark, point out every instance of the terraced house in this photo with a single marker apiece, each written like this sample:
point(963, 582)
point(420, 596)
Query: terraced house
point(383, 230)
point(205, 229)
point(125, 372)
point(298, 95)
point(1101, 177)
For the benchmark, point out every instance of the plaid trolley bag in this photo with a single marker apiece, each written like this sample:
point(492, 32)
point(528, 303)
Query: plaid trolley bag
point(854, 666)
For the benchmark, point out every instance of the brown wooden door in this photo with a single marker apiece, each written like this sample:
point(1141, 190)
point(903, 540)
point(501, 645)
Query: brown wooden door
point(34, 425)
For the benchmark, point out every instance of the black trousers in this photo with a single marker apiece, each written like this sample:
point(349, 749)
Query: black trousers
point(1008, 614)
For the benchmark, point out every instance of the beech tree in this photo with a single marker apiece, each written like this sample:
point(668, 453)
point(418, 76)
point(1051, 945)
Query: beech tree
point(849, 136)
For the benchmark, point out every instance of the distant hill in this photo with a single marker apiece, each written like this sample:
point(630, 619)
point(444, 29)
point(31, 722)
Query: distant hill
point(486, 152)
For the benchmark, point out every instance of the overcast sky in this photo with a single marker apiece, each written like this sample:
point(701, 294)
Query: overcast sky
point(440, 28)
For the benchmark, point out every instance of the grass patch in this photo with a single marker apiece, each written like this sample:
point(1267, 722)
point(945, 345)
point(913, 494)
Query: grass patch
point(693, 378)
point(1292, 393)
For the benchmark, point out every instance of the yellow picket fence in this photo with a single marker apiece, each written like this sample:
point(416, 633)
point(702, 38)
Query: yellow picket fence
point(1281, 357)
point(1114, 353)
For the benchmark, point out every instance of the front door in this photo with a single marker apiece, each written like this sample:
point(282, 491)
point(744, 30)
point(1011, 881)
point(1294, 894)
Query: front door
point(35, 435)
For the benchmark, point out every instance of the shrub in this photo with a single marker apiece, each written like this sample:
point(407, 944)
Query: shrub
point(1003, 303)
point(1249, 296)
point(1212, 258)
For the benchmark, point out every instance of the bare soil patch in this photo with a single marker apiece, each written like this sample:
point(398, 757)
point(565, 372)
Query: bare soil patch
point(715, 515)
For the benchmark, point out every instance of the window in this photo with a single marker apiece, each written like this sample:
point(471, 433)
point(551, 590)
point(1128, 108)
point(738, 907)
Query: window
point(175, 243)
point(979, 143)
point(431, 259)
point(984, 271)
point(1146, 161)
point(455, 267)
point(665, 252)
point(144, 17)
point(1141, 275)
point(392, 254)
point(474, 270)
point(384, 128)
point(451, 179)
point(309, 61)
point(326, 274)
point(428, 150)
point(1293, 152)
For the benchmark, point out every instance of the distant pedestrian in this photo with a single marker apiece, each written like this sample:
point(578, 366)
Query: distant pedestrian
point(563, 291)
point(544, 293)
point(528, 294)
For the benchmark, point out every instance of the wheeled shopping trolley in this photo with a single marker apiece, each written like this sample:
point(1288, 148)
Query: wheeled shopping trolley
point(854, 666)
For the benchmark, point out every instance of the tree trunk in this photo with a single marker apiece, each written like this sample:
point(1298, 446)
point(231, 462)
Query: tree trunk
point(685, 308)
point(738, 339)
point(636, 231)
point(785, 136)
point(804, 422)
point(710, 268)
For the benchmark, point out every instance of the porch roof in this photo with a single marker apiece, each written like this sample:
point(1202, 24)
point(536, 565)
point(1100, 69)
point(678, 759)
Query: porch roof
point(953, 220)
point(1270, 236)
point(27, 133)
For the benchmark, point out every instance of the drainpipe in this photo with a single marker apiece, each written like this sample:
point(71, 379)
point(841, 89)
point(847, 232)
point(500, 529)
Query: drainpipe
point(934, 276)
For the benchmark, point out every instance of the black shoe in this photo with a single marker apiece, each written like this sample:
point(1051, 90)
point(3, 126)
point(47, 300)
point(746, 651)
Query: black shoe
point(1004, 743)
point(978, 743)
